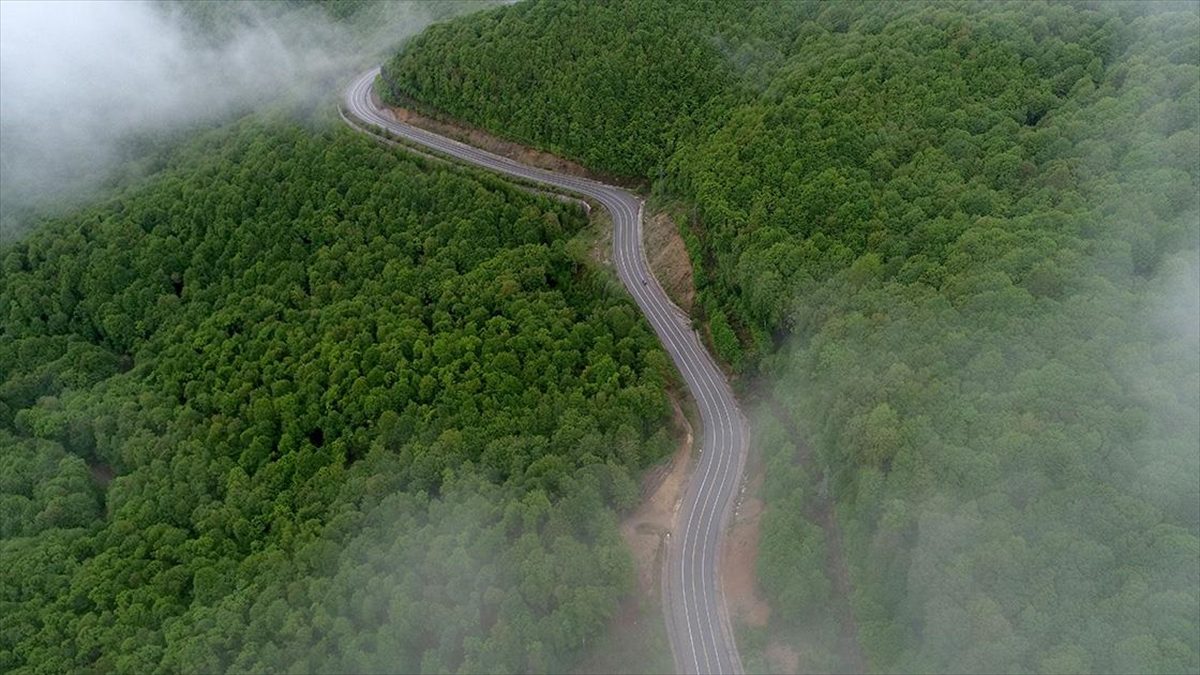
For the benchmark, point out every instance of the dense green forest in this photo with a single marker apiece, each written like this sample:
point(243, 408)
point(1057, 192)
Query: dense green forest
point(613, 85)
point(297, 403)
point(958, 241)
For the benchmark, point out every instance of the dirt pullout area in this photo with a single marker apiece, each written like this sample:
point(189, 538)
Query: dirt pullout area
point(646, 528)
point(740, 557)
point(669, 259)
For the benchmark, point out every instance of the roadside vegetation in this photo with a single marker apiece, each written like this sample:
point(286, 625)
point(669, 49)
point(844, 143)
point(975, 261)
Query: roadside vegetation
point(296, 402)
point(958, 242)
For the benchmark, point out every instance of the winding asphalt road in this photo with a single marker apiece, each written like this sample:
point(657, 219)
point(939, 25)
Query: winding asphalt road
point(697, 618)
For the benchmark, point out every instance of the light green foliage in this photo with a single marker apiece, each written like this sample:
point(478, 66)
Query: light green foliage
point(363, 415)
point(791, 559)
point(724, 339)
point(972, 231)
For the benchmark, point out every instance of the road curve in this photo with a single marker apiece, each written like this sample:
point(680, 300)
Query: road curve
point(697, 618)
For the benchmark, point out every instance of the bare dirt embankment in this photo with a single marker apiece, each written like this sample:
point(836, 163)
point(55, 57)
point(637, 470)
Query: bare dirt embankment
point(740, 557)
point(669, 259)
point(445, 126)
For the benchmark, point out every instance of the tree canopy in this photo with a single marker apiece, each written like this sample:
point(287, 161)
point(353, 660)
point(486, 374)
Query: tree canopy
point(296, 403)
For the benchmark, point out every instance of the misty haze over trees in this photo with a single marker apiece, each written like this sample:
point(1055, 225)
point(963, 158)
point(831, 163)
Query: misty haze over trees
point(274, 397)
point(87, 87)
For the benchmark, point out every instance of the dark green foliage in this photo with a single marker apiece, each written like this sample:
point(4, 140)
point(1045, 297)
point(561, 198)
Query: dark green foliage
point(970, 231)
point(362, 416)
point(614, 85)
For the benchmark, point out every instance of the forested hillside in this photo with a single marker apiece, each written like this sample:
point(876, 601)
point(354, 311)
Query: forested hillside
point(296, 403)
point(614, 85)
point(958, 242)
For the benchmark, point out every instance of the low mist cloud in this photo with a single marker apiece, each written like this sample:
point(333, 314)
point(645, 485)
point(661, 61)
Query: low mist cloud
point(78, 78)
point(1176, 304)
